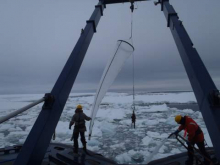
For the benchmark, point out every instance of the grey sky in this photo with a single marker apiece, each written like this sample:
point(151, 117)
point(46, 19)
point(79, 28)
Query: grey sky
point(37, 37)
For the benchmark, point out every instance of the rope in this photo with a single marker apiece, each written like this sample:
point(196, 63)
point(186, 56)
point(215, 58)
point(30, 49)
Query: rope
point(133, 76)
point(133, 68)
point(133, 82)
point(131, 27)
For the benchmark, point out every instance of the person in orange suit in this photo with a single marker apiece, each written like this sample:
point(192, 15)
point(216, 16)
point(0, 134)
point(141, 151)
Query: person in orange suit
point(195, 136)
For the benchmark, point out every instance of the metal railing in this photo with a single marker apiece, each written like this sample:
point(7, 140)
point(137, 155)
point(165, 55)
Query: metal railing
point(13, 114)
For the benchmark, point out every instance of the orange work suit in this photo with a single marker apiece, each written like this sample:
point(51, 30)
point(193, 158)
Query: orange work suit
point(195, 134)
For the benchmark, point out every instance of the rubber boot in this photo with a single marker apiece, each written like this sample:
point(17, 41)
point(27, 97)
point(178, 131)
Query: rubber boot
point(84, 146)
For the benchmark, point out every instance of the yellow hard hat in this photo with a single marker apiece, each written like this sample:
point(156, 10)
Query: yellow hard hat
point(79, 106)
point(178, 118)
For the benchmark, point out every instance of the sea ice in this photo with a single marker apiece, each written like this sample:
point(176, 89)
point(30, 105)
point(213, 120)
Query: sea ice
point(4, 127)
point(93, 142)
point(118, 145)
point(146, 140)
point(157, 108)
point(151, 122)
point(162, 120)
point(14, 129)
point(153, 134)
point(162, 149)
point(188, 111)
point(137, 157)
point(198, 114)
point(175, 151)
point(63, 128)
point(170, 120)
point(156, 150)
point(123, 158)
point(108, 128)
point(112, 133)
point(94, 148)
point(27, 129)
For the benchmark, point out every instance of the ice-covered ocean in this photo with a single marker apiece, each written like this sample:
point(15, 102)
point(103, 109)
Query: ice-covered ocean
point(113, 135)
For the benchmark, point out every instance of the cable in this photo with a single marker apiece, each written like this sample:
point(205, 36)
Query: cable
point(133, 67)
point(133, 82)
point(131, 27)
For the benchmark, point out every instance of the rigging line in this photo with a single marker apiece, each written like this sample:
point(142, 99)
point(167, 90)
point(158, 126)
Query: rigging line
point(133, 68)
point(131, 26)
point(133, 82)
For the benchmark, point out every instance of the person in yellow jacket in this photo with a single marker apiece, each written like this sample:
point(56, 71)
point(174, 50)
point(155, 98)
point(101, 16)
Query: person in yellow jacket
point(80, 127)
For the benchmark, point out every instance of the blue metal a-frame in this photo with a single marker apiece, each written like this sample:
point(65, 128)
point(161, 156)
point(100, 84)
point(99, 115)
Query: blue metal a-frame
point(206, 93)
point(39, 138)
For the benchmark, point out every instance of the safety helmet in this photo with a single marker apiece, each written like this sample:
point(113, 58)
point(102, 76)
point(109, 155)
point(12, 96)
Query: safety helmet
point(178, 118)
point(79, 106)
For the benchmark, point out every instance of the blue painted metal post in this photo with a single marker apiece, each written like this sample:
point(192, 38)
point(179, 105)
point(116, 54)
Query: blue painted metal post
point(38, 140)
point(204, 88)
point(120, 1)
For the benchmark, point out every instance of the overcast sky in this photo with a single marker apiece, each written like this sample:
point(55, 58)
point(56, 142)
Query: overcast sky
point(37, 37)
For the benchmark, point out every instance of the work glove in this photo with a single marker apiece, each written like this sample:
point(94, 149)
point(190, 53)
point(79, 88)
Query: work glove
point(70, 125)
point(174, 133)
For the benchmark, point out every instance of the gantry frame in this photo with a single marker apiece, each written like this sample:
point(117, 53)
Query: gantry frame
point(206, 93)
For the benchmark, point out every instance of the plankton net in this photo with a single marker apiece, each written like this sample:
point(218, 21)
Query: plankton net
point(123, 51)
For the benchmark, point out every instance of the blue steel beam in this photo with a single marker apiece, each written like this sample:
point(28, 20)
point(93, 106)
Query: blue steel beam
point(38, 140)
point(204, 88)
point(120, 1)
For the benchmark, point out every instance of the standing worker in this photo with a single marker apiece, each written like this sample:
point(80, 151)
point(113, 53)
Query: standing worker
point(79, 120)
point(133, 118)
point(195, 136)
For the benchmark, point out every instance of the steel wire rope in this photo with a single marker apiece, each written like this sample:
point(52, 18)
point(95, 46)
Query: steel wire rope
point(133, 77)
point(133, 67)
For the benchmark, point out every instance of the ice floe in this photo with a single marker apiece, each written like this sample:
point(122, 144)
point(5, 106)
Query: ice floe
point(113, 134)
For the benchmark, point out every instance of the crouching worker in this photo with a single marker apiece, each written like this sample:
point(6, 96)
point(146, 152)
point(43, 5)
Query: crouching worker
point(195, 136)
point(80, 127)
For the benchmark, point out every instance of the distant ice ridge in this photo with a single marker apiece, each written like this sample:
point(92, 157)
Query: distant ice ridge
point(113, 136)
